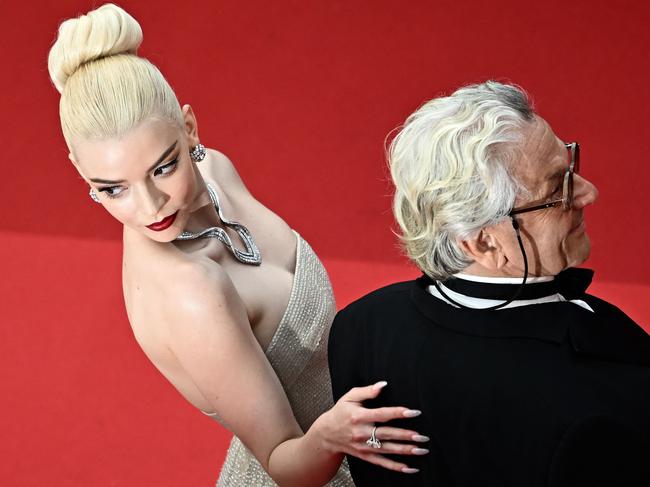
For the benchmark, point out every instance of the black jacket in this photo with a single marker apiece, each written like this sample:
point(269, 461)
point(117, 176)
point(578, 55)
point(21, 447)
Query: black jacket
point(542, 395)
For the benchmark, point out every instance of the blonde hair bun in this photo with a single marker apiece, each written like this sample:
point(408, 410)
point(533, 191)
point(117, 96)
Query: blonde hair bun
point(105, 31)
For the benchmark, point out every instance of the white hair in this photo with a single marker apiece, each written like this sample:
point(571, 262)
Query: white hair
point(450, 163)
point(106, 89)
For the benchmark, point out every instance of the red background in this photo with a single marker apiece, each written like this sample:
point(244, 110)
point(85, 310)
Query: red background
point(300, 95)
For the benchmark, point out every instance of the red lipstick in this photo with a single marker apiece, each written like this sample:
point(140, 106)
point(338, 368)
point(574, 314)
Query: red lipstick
point(163, 224)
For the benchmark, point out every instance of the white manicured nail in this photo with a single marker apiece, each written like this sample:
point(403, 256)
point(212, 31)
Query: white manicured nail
point(410, 470)
point(411, 413)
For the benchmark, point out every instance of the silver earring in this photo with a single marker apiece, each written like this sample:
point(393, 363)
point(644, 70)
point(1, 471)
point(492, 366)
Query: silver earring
point(198, 153)
point(93, 196)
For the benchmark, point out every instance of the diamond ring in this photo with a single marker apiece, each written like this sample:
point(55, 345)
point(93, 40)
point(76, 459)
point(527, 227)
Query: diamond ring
point(373, 442)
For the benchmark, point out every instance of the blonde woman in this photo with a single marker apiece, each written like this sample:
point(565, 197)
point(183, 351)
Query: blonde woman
point(234, 315)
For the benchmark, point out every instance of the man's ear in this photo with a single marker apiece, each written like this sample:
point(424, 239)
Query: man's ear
point(190, 125)
point(485, 249)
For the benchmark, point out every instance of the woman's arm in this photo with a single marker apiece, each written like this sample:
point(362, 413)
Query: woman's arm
point(211, 337)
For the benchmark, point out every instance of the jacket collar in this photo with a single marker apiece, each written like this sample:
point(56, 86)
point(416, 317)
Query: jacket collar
point(570, 283)
point(606, 334)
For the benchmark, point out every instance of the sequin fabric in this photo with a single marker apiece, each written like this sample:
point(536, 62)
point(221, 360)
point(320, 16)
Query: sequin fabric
point(298, 353)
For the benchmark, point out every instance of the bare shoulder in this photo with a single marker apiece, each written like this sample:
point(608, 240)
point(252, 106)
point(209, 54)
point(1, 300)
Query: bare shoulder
point(165, 268)
point(218, 167)
point(202, 285)
point(192, 324)
point(165, 290)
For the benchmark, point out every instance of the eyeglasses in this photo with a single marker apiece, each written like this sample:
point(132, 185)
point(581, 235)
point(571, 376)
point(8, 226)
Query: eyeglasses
point(567, 188)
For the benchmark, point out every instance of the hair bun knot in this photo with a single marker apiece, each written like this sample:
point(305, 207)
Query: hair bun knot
point(106, 31)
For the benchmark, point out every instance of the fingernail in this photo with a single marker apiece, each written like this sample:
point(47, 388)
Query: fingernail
point(420, 438)
point(419, 451)
point(410, 470)
point(411, 413)
point(380, 384)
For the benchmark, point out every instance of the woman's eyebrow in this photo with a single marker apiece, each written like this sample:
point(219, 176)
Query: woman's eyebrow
point(158, 161)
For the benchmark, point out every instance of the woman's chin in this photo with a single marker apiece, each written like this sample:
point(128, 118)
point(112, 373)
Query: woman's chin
point(165, 237)
point(162, 236)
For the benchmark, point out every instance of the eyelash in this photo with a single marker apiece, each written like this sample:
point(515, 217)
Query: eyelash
point(171, 165)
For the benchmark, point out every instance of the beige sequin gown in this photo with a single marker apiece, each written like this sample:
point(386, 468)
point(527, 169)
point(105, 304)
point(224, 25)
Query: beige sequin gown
point(298, 354)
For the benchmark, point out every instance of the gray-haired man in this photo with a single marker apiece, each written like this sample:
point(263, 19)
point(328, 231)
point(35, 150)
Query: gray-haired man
point(522, 377)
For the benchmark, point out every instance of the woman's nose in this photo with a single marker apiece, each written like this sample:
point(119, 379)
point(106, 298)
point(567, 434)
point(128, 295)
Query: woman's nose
point(151, 200)
point(584, 192)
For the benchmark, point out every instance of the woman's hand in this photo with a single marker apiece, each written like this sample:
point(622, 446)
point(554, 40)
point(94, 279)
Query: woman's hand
point(348, 426)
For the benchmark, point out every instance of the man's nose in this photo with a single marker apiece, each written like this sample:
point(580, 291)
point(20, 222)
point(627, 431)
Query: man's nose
point(584, 192)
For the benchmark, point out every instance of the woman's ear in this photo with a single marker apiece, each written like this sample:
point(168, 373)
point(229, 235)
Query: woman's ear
point(75, 163)
point(190, 125)
point(485, 249)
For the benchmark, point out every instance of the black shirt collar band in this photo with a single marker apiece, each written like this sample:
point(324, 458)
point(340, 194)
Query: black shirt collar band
point(570, 283)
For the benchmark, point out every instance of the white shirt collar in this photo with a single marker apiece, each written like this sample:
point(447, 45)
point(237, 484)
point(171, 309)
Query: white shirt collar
point(478, 303)
point(503, 280)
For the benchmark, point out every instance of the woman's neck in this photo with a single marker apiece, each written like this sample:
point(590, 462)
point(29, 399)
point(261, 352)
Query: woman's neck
point(202, 213)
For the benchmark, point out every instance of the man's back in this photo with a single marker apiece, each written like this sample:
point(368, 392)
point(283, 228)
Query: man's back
point(548, 394)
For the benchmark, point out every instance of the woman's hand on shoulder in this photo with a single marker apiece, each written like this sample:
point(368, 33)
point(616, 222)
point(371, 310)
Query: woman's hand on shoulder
point(348, 427)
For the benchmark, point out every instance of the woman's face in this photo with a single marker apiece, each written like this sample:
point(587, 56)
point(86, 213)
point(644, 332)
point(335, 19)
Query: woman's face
point(145, 179)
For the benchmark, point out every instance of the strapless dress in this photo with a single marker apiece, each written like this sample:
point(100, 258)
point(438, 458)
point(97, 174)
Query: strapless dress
point(298, 354)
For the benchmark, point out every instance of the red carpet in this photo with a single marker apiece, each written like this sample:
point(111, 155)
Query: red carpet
point(301, 96)
point(81, 404)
